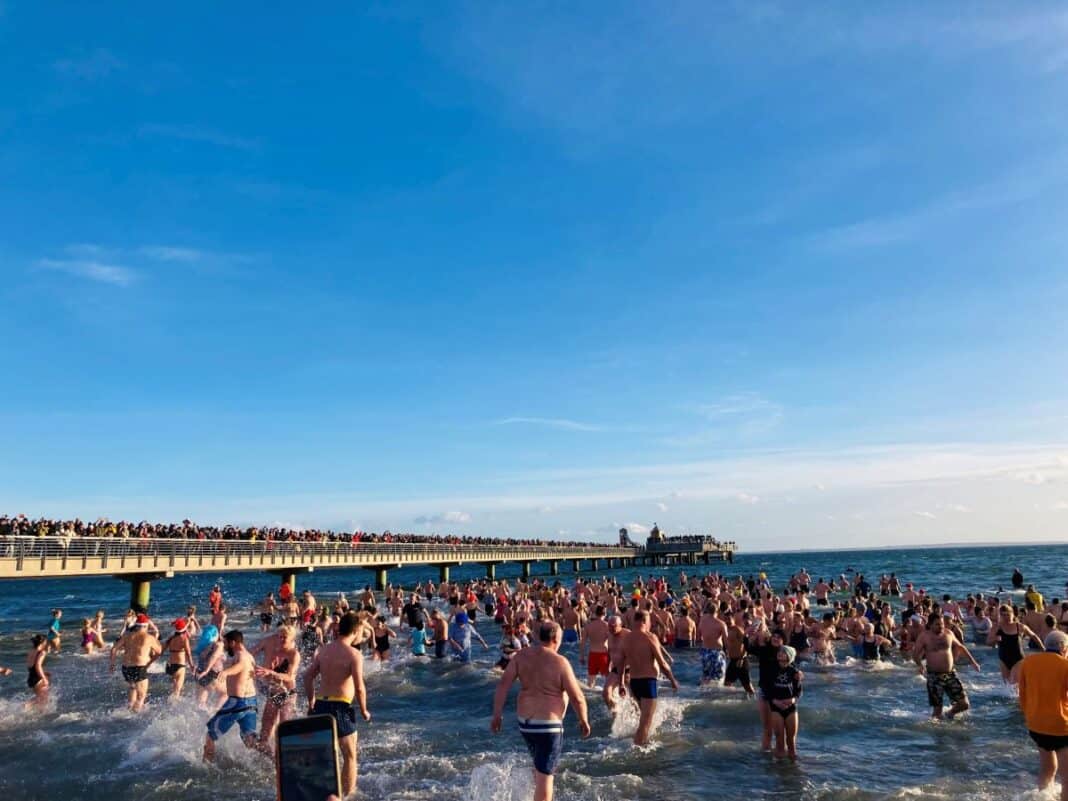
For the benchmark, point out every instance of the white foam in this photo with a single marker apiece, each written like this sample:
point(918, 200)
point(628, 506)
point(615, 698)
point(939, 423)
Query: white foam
point(508, 780)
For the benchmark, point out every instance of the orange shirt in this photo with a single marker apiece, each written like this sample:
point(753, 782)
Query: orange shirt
point(1044, 693)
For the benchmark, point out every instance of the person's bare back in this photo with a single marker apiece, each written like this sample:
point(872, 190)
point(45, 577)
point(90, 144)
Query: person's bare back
point(139, 648)
point(712, 631)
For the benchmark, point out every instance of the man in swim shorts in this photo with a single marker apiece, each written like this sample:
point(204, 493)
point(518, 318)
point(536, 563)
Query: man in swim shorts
point(240, 707)
point(339, 667)
point(593, 646)
point(570, 622)
point(643, 655)
point(712, 631)
point(937, 646)
point(139, 650)
point(546, 683)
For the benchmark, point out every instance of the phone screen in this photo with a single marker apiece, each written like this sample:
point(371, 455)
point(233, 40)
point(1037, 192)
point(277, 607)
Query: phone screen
point(307, 765)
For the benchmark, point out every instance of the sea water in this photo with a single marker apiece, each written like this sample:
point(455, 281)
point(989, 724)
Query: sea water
point(865, 729)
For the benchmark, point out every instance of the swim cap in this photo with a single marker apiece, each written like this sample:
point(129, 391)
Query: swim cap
point(461, 617)
point(207, 637)
point(142, 620)
point(791, 653)
point(180, 624)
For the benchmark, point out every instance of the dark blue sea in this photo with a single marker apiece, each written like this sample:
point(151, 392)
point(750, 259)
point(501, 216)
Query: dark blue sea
point(865, 732)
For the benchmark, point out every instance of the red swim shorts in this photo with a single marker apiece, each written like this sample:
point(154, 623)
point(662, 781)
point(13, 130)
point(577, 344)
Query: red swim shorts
point(598, 664)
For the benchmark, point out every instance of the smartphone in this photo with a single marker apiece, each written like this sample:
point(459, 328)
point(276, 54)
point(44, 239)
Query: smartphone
point(307, 759)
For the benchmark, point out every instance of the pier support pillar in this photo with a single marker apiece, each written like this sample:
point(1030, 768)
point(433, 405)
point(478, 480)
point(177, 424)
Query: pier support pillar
point(708, 558)
point(526, 571)
point(554, 567)
point(381, 577)
point(596, 563)
point(141, 588)
point(443, 574)
point(491, 570)
point(576, 565)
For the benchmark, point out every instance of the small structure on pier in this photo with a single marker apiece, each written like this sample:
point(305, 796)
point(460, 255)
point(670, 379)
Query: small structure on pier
point(686, 549)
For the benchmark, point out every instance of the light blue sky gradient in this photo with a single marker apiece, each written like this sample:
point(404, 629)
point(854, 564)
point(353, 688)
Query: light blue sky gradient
point(791, 274)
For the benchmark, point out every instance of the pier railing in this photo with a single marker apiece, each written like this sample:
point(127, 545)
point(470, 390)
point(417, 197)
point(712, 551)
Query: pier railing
point(57, 556)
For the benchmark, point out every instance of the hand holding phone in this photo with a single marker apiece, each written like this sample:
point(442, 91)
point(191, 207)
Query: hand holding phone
point(307, 759)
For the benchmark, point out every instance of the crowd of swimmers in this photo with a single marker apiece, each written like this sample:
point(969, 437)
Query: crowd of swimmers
point(624, 637)
point(21, 525)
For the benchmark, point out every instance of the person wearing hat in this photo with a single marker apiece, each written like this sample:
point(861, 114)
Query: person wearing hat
point(139, 649)
point(782, 699)
point(179, 655)
point(460, 633)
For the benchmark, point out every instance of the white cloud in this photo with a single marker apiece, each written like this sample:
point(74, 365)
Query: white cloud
point(444, 518)
point(91, 270)
point(1020, 185)
point(663, 507)
point(746, 498)
point(928, 515)
point(549, 422)
point(1034, 477)
point(957, 507)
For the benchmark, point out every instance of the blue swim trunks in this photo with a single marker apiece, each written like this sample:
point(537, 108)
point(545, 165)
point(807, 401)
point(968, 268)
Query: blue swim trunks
point(545, 741)
point(343, 713)
point(570, 636)
point(643, 688)
point(241, 711)
point(713, 664)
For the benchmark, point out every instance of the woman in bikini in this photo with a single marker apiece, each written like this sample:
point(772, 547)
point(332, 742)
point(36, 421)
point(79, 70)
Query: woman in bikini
point(179, 655)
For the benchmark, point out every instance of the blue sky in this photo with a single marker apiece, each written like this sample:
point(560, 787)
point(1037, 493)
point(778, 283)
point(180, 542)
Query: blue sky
point(791, 274)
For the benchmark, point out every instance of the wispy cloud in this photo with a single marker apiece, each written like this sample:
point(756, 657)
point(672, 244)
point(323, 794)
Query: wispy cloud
point(92, 270)
point(444, 518)
point(196, 133)
point(1019, 186)
point(747, 499)
point(92, 66)
point(734, 418)
point(549, 422)
point(927, 515)
point(663, 507)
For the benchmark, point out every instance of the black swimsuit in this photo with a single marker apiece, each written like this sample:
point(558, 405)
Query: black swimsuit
point(1009, 648)
point(33, 677)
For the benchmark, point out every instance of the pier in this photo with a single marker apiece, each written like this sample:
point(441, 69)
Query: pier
point(142, 561)
point(689, 549)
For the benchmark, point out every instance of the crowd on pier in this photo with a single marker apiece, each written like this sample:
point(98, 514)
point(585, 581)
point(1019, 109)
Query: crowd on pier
point(21, 525)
